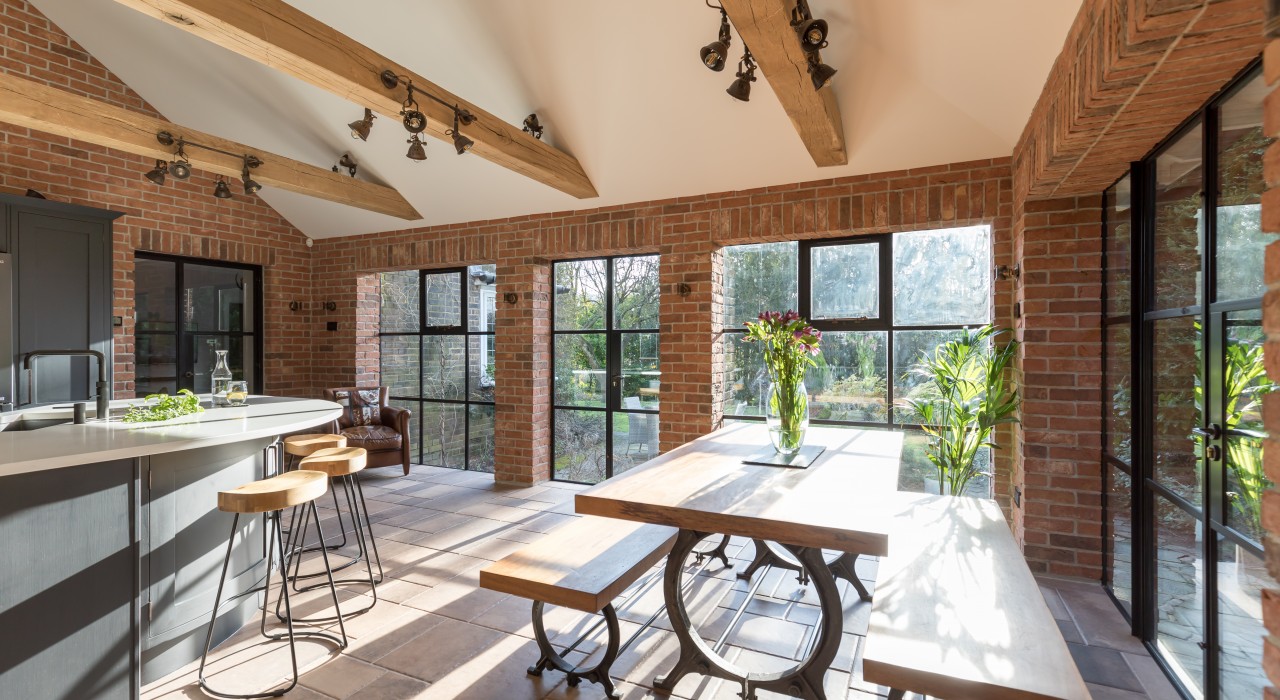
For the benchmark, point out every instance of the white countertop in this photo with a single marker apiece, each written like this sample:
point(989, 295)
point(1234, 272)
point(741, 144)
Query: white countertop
point(97, 441)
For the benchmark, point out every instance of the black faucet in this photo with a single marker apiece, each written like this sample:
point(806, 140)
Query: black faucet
point(103, 400)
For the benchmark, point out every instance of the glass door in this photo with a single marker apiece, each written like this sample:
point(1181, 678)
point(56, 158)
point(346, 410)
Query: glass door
point(1202, 379)
point(606, 368)
point(185, 310)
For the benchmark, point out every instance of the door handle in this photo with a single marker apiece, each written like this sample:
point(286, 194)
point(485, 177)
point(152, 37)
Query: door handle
point(1212, 432)
point(616, 380)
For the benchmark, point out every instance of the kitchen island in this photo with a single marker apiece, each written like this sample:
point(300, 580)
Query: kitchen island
point(112, 541)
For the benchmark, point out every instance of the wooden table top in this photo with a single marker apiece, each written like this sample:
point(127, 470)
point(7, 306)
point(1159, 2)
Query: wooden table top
point(703, 485)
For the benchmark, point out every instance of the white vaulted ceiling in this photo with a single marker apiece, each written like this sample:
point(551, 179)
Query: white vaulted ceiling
point(616, 84)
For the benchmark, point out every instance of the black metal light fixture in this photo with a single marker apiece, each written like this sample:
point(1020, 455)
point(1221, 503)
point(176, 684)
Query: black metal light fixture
point(157, 173)
point(461, 143)
point(180, 167)
point(361, 127)
point(346, 161)
point(532, 127)
point(220, 189)
point(819, 72)
point(251, 186)
point(714, 55)
point(741, 87)
point(417, 151)
point(813, 38)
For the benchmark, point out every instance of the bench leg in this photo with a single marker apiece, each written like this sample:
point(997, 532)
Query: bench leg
point(720, 552)
point(895, 694)
point(576, 674)
point(845, 567)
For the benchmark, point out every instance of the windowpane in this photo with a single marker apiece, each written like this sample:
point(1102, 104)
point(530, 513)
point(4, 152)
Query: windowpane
point(482, 298)
point(760, 277)
point(581, 287)
point(745, 381)
point(849, 383)
point(240, 355)
point(443, 367)
point(415, 415)
point(635, 439)
point(1119, 239)
point(1178, 217)
point(579, 446)
point(399, 357)
point(580, 375)
point(443, 295)
point(480, 375)
point(398, 301)
point(444, 434)
point(481, 438)
point(154, 305)
point(845, 281)
point(217, 298)
point(942, 277)
point(156, 369)
point(910, 377)
point(1241, 577)
point(1240, 240)
point(1179, 592)
point(640, 370)
point(635, 293)
point(1176, 358)
point(1118, 392)
point(1120, 535)
point(1246, 383)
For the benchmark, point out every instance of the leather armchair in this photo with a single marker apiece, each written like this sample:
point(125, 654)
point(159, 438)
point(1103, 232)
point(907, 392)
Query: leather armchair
point(384, 432)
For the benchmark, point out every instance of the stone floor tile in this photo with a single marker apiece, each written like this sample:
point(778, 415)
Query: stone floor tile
point(460, 600)
point(450, 645)
point(1103, 692)
point(341, 677)
point(1103, 666)
point(393, 686)
point(386, 640)
point(1153, 680)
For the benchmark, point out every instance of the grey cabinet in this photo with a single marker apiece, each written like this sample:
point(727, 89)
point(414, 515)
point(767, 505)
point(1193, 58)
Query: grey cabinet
point(60, 295)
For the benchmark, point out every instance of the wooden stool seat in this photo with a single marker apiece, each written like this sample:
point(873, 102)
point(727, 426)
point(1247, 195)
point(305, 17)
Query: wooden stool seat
point(336, 461)
point(276, 493)
point(305, 445)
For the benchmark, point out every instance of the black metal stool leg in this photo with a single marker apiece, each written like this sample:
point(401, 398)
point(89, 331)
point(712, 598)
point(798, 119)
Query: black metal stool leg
point(362, 540)
point(373, 541)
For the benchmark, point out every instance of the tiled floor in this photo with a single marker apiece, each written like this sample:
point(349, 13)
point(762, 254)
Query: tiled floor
point(435, 634)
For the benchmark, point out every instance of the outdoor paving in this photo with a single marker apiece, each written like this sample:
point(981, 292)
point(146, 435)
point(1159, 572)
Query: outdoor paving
point(435, 634)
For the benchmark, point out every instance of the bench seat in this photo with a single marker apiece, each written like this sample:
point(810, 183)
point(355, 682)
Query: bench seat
point(957, 613)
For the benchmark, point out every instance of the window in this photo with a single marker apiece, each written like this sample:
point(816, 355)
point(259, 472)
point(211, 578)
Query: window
point(883, 302)
point(436, 331)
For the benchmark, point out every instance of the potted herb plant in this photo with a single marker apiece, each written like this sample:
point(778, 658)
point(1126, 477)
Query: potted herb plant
point(966, 398)
point(790, 344)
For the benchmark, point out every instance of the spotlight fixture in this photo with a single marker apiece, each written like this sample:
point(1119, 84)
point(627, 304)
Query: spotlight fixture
point(361, 127)
point(180, 168)
point(220, 189)
point(741, 87)
point(346, 161)
point(713, 55)
point(819, 72)
point(157, 173)
point(417, 151)
point(532, 127)
point(812, 32)
point(461, 143)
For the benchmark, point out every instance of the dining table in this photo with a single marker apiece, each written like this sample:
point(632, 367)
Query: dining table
point(704, 489)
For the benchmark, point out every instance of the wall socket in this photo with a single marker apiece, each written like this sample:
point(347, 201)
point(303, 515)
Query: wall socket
point(331, 326)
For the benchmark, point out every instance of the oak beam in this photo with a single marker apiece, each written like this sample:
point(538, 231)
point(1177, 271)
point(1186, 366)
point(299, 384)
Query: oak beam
point(765, 27)
point(43, 108)
point(282, 37)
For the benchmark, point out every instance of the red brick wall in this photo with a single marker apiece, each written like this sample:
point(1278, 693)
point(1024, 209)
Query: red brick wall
point(1271, 323)
point(686, 232)
point(181, 218)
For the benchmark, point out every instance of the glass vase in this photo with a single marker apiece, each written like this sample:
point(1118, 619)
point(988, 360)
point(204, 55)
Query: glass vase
point(787, 415)
point(220, 379)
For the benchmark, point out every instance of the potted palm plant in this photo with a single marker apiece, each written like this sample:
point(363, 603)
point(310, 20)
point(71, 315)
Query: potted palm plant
point(967, 397)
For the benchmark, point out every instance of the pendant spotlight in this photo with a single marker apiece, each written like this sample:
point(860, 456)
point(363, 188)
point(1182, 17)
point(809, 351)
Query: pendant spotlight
point(461, 143)
point(819, 72)
point(532, 127)
point(813, 37)
point(713, 55)
point(220, 189)
point(741, 87)
point(417, 151)
point(251, 186)
point(180, 167)
point(346, 161)
point(361, 127)
point(157, 173)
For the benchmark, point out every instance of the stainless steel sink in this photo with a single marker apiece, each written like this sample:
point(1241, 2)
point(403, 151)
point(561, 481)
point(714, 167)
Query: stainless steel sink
point(26, 424)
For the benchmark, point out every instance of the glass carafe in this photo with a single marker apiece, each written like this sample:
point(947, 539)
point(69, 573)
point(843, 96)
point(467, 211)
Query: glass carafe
point(220, 380)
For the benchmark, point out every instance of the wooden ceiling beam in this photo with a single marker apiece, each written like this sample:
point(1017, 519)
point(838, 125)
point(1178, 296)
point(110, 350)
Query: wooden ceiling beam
point(765, 27)
point(43, 108)
point(278, 35)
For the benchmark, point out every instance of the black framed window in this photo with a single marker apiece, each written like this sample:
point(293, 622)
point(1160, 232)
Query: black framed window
point(436, 352)
point(186, 309)
point(882, 302)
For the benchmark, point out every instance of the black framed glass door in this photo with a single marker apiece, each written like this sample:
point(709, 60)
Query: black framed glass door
point(1189, 569)
point(606, 369)
point(187, 309)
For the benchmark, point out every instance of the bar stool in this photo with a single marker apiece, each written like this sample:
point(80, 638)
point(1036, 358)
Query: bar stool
point(342, 464)
point(294, 489)
point(299, 447)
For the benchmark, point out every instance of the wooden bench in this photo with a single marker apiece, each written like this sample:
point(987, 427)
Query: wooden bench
point(583, 565)
point(957, 613)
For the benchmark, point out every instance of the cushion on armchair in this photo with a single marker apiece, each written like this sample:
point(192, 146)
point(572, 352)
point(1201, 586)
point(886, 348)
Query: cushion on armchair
point(372, 437)
point(361, 407)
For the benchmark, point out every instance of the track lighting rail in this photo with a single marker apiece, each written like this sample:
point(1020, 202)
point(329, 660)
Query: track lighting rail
point(167, 139)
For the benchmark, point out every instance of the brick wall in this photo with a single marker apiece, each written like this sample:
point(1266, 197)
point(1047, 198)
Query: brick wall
point(181, 218)
point(686, 232)
point(1271, 323)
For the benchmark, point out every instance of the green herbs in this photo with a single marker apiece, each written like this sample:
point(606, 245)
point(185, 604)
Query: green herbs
point(166, 407)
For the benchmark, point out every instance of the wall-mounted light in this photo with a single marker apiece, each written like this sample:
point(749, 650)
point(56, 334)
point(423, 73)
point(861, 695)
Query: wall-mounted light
point(683, 289)
point(715, 54)
point(532, 127)
point(741, 87)
point(346, 161)
point(295, 306)
point(1004, 272)
point(330, 306)
point(361, 127)
point(511, 297)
